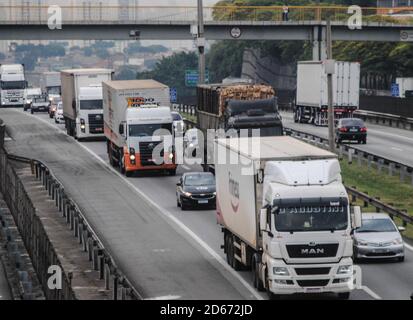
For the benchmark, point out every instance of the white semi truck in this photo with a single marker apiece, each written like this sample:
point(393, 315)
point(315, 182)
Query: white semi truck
point(311, 105)
point(285, 215)
point(82, 101)
point(52, 84)
point(138, 126)
point(13, 85)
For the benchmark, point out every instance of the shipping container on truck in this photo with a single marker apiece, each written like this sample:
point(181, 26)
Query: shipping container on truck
point(285, 215)
point(138, 126)
point(52, 84)
point(82, 101)
point(13, 85)
point(405, 87)
point(232, 107)
point(311, 105)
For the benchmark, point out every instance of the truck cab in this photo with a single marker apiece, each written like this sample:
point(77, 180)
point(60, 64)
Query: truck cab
point(89, 111)
point(306, 225)
point(147, 131)
point(13, 85)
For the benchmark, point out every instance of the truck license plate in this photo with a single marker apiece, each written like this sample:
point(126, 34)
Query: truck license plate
point(202, 201)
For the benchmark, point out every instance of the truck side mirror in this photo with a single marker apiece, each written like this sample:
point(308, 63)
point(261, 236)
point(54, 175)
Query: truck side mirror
point(121, 131)
point(356, 221)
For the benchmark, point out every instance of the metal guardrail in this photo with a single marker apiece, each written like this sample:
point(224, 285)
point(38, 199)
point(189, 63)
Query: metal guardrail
point(390, 120)
point(100, 258)
point(359, 155)
point(104, 11)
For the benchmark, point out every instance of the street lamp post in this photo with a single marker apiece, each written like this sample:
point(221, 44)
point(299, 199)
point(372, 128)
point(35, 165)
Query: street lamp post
point(201, 43)
point(330, 71)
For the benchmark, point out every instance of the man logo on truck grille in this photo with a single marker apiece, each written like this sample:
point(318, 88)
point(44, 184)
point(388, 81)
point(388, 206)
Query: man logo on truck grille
point(234, 192)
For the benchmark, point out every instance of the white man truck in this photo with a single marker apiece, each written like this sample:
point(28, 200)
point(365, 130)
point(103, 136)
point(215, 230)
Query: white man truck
point(285, 215)
point(82, 101)
point(312, 93)
point(13, 85)
point(138, 126)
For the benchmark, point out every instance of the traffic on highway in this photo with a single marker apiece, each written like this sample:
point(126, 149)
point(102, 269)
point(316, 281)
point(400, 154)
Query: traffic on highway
point(207, 171)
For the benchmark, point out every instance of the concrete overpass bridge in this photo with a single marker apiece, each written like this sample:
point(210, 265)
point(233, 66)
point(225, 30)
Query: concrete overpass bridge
point(100, 21)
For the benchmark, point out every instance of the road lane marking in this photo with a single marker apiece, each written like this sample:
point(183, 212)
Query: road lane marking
point(186, 167)
point(181, 225)
point(371, 293)
point(397, 149)
point(408, 246)
point(170, 216)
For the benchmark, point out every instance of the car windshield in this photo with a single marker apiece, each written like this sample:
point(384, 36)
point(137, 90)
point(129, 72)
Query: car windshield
point(60, 106)
point(377, 225)
point(10, 85)
point(176, 116)
point(91, 104)
point(40, 99)
point(54, 90)
point(352, 122)
point(148, 130)
point(311, 218)
point(194, 180)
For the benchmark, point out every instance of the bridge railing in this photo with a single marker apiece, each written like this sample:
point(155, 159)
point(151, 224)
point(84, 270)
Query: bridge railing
point(102, 12)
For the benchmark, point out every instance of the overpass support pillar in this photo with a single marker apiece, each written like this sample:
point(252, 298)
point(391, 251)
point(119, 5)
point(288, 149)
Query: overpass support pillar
point(319, 43)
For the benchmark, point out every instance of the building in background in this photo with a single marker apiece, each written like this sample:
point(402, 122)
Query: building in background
point(394, 3)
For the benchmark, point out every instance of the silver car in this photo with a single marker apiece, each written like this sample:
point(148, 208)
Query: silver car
point(378, 238)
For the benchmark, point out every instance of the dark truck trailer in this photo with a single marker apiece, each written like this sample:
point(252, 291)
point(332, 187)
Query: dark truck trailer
point(233, 107)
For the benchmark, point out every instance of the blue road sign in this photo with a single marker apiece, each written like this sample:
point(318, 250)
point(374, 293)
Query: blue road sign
point(173, 94)
point(395, 91)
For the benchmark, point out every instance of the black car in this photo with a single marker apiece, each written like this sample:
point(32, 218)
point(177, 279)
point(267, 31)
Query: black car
point(351, 129)
point(196, 189)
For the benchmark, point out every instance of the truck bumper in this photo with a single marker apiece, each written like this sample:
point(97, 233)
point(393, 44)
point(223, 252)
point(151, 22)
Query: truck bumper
point(136, 165)
point(84, 132)
point(310, 278)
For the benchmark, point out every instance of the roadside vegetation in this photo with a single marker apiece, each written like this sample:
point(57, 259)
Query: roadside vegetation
point(389, 189)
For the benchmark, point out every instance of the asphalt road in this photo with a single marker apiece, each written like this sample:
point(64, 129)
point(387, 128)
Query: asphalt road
point(391, 143)
point(159, 257)
point(4, 286)
point(384, 279)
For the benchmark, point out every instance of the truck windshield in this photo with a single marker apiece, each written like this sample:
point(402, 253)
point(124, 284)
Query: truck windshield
point(53, 90)
point(91, 104)
point(311, 218)
point(10, 85)
point(148, 130)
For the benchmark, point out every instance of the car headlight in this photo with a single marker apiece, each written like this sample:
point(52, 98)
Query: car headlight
point(280, 271)
point(132, 157)
point(29, 101)
point(397, 241)
point(171, 156)
point(188, 194)
point(361, 243)
point(214, 193)
point(191, 145)
point(345, 269)
point(82, 126)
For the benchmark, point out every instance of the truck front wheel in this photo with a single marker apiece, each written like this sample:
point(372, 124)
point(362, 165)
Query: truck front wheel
point(255, 264)
point(270, 294)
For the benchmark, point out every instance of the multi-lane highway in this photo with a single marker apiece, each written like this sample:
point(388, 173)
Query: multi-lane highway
point(391, 143)
point(386, 280)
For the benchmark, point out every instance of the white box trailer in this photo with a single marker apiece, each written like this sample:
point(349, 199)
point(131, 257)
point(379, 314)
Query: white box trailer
point(405, 84)
point(83, 113)
point(133, 112)
point(312, 92)
point(285, 214)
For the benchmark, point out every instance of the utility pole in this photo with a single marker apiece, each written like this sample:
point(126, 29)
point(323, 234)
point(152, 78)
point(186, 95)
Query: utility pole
point(201, 43)
point(330, 65)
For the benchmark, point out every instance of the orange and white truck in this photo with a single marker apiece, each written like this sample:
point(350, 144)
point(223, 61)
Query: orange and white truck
point(138, 126)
